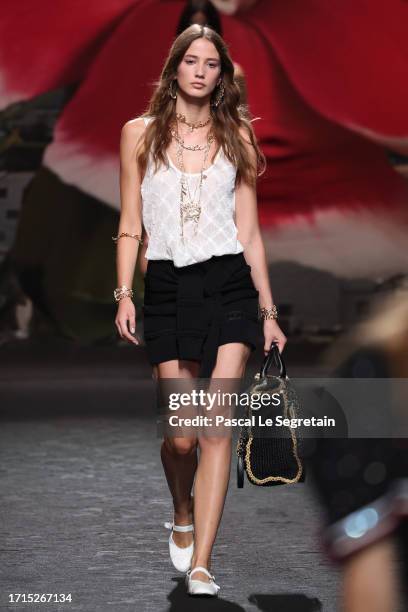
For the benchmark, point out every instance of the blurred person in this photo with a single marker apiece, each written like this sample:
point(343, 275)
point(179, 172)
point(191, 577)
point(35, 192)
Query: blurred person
point(201, 12)
point(189, 167)
point(232, 7)
point(363, 482)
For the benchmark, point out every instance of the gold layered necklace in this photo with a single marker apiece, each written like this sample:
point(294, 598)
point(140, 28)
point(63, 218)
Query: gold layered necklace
point(190, 206)
point(192, 125)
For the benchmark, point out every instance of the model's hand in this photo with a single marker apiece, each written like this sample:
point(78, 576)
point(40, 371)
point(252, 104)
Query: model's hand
point(273, 333)
point(126, 320)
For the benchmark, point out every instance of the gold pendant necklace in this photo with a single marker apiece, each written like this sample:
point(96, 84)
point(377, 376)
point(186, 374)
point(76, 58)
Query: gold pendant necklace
point(190, 210)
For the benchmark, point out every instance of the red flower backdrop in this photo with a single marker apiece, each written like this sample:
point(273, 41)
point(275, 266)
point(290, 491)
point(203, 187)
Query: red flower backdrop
point(328, 82)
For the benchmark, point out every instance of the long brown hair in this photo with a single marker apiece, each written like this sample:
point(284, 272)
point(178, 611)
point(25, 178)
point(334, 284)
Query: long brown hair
point(227, 117)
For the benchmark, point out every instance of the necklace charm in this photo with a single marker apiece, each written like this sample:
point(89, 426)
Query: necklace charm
point(189, 209)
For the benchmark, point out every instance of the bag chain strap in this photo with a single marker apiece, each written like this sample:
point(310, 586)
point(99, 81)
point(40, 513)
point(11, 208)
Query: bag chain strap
point(294, 450)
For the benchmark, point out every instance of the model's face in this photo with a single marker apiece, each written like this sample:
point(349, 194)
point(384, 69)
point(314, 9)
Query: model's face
point(200, 69)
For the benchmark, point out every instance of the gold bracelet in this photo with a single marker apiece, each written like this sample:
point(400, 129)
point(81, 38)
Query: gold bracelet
point(135, 236)
point(271, 313)
point(122, 292)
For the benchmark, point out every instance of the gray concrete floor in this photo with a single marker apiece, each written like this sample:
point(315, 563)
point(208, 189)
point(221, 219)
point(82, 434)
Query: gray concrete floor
point(84, 499)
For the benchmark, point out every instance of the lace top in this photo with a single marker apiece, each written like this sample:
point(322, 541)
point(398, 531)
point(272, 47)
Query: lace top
point(216, 231)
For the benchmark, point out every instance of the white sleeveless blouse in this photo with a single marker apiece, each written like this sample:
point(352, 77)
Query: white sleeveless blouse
point(216, 230)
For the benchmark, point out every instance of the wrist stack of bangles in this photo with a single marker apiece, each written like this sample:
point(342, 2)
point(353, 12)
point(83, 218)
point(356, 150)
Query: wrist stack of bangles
point(122, 292)
point(269, 313)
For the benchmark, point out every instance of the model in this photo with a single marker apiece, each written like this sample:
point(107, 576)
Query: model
point(189, 167)
point(203, 13)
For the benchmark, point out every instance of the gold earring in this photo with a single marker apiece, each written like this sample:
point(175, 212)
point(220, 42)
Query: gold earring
point(220, 95)
point(174, 96)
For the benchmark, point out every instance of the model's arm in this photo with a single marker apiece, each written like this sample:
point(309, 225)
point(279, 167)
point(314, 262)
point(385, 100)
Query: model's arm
point(130, 222)
point(249, 235)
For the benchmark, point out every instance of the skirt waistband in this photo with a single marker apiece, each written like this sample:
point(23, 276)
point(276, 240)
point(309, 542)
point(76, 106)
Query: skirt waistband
point(200, 265)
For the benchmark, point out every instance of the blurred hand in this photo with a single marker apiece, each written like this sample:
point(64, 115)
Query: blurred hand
point(273, 333)
point(125, 320)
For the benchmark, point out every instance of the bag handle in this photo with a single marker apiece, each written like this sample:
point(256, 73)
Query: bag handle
point(273, 356)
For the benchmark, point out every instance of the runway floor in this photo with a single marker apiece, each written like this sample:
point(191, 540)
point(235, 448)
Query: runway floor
point(84, 499)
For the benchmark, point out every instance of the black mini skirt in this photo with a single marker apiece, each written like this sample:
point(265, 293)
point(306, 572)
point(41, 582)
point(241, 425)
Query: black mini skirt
point(189, 311)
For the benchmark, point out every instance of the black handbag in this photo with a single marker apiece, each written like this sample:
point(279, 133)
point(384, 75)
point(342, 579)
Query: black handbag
point(270, 455)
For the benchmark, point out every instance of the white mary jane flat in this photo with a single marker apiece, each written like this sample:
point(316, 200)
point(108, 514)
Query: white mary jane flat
point(199, 587)
point(180, 556)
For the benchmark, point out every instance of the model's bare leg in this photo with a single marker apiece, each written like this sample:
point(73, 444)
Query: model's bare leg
point(212, 477)
point(179, 456)
point(360, 590)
